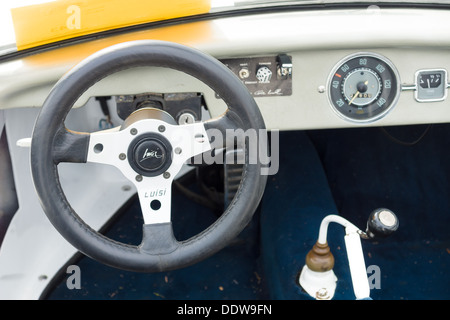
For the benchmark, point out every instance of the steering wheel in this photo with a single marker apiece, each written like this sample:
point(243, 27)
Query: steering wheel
point(149, 149)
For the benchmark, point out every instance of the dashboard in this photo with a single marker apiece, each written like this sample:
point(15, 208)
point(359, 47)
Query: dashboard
point(307, 69)
point(318, 67)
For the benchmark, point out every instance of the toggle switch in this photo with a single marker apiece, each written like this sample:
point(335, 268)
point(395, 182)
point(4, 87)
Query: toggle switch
point(284, 66)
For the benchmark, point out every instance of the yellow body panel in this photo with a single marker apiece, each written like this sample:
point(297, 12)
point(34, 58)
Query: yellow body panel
point(45, 23)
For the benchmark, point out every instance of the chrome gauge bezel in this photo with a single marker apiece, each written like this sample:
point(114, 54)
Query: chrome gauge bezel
point(393, 101)
point(444, 84)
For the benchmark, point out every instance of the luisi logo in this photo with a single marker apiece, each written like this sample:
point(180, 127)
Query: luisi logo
point(151, 154)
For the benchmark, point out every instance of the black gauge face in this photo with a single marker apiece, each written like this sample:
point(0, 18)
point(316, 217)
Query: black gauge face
point(363, 87)
point(430, 80)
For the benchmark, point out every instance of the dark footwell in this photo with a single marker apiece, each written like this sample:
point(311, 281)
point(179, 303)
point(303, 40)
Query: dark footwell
point(348, 172)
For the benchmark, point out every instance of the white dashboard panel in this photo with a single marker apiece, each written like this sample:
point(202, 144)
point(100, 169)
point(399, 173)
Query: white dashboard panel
point(309, 108)
point(413, 39)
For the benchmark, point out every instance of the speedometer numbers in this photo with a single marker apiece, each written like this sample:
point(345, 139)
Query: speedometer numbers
point(363, 87)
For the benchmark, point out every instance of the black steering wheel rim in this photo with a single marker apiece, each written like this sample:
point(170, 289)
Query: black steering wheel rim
point(171, 255)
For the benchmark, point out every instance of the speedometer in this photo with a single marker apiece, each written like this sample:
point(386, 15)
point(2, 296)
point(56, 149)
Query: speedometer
point(363, 87)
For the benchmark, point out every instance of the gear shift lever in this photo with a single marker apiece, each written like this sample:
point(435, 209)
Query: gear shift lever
point(317, 277)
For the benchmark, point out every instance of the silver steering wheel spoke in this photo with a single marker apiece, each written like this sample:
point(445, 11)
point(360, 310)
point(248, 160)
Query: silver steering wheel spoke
point(150, 153)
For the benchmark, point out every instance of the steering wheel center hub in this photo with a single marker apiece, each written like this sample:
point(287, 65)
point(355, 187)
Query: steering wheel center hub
point(150, 154)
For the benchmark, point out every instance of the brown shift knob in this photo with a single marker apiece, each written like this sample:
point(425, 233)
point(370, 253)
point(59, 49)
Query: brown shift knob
point(320, 258)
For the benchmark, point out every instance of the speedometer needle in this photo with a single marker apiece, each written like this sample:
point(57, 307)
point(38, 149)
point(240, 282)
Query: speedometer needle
point(357, 93)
